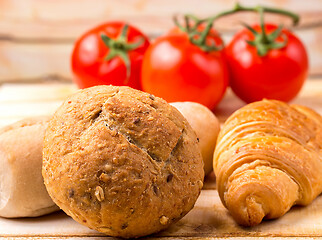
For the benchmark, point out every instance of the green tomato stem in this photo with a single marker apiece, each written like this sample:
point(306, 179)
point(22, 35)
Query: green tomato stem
point(120, 47)
point(239, 8)
point(197, 37)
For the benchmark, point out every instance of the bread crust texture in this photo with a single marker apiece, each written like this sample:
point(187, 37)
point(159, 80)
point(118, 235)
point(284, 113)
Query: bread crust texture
point(22, 189)
point(267, 159)
point(207, 127)
point(121, 161)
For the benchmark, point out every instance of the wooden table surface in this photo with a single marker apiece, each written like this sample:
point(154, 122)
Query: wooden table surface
point(208, 219)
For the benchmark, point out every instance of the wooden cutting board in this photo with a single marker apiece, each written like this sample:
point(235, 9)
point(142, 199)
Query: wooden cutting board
point(208, 219)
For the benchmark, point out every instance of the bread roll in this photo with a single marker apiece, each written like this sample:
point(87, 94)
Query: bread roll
point(122, 161)
point(206, 126)
point(267, 159)
point(22, 191)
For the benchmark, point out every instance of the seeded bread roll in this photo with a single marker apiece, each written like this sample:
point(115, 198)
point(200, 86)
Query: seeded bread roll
point(22, 189)
point(206, 126)
point(122, 161)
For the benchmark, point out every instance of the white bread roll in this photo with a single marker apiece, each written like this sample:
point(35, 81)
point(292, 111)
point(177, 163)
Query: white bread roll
point(22, 190)
point(206, 126)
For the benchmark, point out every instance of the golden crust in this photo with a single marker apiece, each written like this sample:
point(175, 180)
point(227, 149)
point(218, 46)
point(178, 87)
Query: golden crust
point(121, 161)
point(206, 126)
point(26, 122)
point(22, 189)
point(268, 158)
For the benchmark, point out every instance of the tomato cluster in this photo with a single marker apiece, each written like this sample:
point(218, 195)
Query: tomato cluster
point(190, 62)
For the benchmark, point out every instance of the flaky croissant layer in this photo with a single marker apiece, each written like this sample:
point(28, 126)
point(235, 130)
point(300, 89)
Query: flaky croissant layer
point(268, 158)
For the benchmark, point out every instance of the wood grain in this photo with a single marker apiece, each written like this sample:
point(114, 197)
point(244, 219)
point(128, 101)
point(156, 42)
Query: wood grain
point(24, 100)
point(26, 62)
point(208, 219)
point(63, 19)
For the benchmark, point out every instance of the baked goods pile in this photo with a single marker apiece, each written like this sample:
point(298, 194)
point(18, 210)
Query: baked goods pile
point(128, 164)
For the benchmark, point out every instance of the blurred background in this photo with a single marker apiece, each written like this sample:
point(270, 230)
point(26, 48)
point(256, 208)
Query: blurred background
point(37, 36)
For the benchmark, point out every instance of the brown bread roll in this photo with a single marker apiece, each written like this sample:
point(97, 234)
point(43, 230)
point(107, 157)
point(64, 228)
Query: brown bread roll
point(22, 189)
point(267, 159)
point(122, 161)
point(206, 126)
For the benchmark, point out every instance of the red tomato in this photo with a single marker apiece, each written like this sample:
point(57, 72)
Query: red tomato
point(88, 61)
point(177, 70)
point(278, 75)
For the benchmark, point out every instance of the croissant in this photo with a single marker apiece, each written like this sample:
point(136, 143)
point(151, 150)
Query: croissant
point(268, 158)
